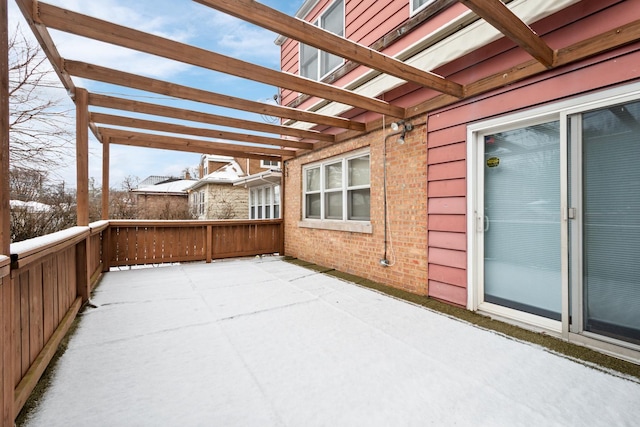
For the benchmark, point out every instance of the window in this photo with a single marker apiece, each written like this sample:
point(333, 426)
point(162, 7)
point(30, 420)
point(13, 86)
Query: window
point(314, 63)
point(269, 164)
point(201, 207)
point(338, 189)
point(264, 202)
point(417, 5)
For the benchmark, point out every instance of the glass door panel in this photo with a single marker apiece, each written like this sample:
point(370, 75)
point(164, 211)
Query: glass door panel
point(611, 221)
point(522, 262)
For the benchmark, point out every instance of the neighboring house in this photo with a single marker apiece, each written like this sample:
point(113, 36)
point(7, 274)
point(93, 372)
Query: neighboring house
point(234, 188)
point(163, 199)
point(214, 196)
point(521, 203)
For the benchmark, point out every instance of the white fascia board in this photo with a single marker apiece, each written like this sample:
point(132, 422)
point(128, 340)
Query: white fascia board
point(435, 51)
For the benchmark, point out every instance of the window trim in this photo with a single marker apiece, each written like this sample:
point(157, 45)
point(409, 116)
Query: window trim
point(344, 224)
point(318, 52)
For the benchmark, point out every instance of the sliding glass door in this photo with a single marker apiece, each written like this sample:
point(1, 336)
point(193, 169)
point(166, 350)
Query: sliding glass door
point(554, 203)
point(610, 224)
point(520, 223)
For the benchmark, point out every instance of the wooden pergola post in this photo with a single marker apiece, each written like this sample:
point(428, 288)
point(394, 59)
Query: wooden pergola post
point(282, 204)
point(105, 179)
point(82, 155)
point(83, 279)
point(6, 300)
point(5, 231)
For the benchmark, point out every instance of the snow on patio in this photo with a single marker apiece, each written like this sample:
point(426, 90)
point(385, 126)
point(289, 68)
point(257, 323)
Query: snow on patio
point(263, 342)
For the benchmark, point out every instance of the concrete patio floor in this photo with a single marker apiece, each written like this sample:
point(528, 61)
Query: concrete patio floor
point(263, 342)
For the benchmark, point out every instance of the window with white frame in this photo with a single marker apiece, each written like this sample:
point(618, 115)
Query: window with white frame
point(417, 5)
point(264, 202)
point(314, 63)
point(269, 164)
point(338, 189)
point(201, 204)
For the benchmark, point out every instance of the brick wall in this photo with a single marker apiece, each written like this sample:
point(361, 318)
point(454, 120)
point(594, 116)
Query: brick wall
point(360, 253)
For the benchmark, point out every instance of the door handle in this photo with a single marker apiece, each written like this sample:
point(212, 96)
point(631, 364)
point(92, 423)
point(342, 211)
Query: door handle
point(486, 223)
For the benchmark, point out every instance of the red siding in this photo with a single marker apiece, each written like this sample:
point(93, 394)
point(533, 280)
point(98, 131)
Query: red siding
point(451, 187)
point(449, 153)
point(456, 223)
point(448, 205)
point(367, 21)
point(448, 170)
point(447, 240)
point(444, 291)
point(454, 276)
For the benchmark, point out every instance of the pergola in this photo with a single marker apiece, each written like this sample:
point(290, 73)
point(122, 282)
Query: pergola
point(287, 140)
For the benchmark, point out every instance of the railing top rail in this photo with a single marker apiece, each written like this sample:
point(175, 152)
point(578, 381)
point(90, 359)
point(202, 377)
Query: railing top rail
point(4, 265)
point(40, 246)
point(188, 223)
point(98, 226)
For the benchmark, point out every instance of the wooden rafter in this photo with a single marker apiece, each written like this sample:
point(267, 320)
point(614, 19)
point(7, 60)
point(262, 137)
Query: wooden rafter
point(501, 17)
point(138, 139)
point(592, 46)
point(114, 120)
point(46, 42)
point(120, 78)
point(297, 29)
point(116, 103)
point(97, 29)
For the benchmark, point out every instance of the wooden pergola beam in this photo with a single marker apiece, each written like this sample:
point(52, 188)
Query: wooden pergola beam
point(110, 119)
point(140, 139)
point(120, 78)
point(97, 29)
point(46, 42)
point(116, 103)
point(501, 17)
point(307, 33)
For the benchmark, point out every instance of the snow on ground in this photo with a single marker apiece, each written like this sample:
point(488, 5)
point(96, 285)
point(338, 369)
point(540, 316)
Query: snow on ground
point(268, 343)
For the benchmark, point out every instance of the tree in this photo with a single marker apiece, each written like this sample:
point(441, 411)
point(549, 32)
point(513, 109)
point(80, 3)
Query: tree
point(38, 208)
point(41, 129)
point(122, 203)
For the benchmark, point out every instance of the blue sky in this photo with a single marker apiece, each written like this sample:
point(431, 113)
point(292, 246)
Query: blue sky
point(180, 20)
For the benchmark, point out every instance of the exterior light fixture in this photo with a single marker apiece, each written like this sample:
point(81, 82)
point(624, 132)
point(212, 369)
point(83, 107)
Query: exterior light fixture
point(402, 126)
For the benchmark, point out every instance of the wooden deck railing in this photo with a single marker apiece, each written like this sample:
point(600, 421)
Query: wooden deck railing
point(45, 281)
point(154, 242)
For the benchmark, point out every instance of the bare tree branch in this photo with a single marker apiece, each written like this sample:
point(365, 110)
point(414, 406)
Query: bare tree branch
point(41, 129)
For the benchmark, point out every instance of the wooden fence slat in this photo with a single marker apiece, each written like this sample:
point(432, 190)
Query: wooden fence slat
point(48, 320)
point(36, 338)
